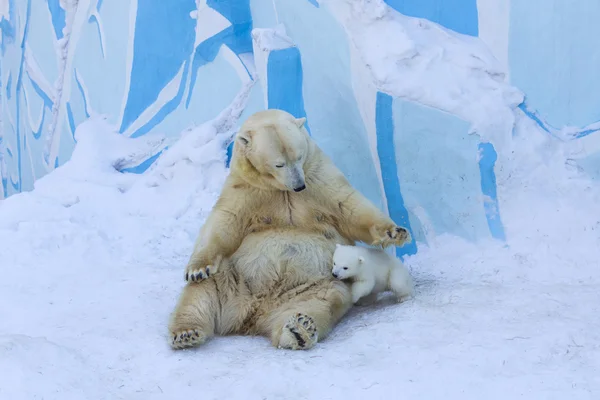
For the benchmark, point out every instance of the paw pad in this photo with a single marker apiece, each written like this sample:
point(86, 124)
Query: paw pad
point(303, 330)
point(189, 338)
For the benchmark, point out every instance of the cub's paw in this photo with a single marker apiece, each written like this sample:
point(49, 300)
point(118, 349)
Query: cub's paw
point(387, 235)
point(299, 333)
point(187, 338)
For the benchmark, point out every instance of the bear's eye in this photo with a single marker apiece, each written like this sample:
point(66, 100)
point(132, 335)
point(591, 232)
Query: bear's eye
point(345, 267)
point(279, 165)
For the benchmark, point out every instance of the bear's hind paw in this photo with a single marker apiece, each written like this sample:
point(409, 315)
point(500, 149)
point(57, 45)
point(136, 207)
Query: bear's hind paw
point(299, 333)
point(187, 338)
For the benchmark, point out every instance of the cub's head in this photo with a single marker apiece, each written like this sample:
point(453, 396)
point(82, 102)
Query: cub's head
point(347, 261)
point(271, 149)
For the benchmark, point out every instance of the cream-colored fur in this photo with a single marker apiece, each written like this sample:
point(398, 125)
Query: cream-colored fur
point(371, 271)
point(262, 261)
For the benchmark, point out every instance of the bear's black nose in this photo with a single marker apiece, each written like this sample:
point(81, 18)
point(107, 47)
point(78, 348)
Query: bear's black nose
point(334, 274)
point(300, 188)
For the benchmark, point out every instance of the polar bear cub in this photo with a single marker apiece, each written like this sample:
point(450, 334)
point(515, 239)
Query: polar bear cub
point(371, 271)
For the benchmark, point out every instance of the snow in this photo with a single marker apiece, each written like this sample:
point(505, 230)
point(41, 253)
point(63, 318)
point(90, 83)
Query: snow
point(93, 260)
point(93, 263)
point(431, 65)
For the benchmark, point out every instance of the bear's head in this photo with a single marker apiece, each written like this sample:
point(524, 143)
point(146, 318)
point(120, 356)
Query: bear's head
point(347, 261)
point(271, 149)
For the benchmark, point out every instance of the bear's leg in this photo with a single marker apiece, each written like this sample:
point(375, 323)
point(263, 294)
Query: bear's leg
point(193, 320)
point(303, 320)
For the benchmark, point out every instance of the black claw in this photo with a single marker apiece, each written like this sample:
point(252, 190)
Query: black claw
point(299, 339)
point(207, 271)
point(187, 276)
point(398, 229)
point(199, 275)
point(193, 277)
point(175, 338)
point(389, 234)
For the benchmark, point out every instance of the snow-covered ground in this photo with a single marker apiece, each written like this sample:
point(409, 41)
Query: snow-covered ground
point(92, 264)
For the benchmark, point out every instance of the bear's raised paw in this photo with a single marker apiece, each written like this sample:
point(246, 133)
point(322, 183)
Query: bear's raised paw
point(386, 235)
point(299, 333)
point(187, 338)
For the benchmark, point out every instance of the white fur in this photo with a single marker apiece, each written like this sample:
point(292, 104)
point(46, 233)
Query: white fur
point(372, 271)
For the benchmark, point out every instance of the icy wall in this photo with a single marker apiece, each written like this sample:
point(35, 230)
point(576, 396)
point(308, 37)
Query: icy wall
point(414, 100)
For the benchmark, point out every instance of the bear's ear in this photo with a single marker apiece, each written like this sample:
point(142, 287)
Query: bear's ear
point(244, 137)
point(361, 259)
point(300, 122)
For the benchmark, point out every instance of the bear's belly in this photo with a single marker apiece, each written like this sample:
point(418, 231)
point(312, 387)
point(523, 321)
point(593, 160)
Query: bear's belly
point(284, 257)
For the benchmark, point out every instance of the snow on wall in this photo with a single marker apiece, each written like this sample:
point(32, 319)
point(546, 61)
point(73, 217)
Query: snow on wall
point(417, 101)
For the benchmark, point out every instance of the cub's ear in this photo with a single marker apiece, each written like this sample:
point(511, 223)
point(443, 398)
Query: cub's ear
point(300, 122)
point(361, 259)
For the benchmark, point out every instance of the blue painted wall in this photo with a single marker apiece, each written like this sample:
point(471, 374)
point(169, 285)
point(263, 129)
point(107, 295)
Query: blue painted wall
point(150, 68)
point(554, 56)
point(458, 15)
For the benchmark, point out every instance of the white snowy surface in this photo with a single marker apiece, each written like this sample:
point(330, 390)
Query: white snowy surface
point(92, 264)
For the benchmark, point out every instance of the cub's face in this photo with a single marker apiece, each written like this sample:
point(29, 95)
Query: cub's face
point(276, 148)
point(346, 262)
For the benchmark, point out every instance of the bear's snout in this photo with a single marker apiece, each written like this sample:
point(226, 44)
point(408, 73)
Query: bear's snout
point(334, 274)
point(300, 188)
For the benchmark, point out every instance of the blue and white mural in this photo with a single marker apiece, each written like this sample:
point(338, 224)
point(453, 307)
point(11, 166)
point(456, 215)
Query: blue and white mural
point(157, 67)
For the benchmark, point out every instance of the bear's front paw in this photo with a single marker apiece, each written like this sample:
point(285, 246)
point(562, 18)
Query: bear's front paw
point(196, 273)
point(389, 234)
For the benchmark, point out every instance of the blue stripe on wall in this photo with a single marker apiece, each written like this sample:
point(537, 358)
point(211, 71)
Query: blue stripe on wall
point(166, 109)
point(58, 17)
point(18, 89)
point(7, 27)
point(236, 11)
point(534, 116)
point(487, 161)
point(48, 102)
point(142, 167)
point(459, 15)
point(389, 171)
point(37, 134)
point(85, 105)
point(9, 86)
point(71, 119)
point(284, 81)
point(237, 37)
point(164, 39)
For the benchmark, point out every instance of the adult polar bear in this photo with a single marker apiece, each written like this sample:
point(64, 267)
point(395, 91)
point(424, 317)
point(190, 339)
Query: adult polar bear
point(262, 261)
